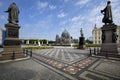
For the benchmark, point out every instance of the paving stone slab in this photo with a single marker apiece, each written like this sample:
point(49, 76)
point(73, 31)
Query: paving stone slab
point(27, 70)
point(107, 67)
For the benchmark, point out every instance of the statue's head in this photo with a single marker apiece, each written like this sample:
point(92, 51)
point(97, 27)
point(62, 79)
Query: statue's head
point(108, 2)
point(14, 3)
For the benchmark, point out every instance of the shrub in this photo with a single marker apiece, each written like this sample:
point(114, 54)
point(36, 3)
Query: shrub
point(93, 45)
point(76, 45)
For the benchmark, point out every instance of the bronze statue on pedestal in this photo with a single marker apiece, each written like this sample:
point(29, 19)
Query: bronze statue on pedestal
point(13, 12)
point(107, 12)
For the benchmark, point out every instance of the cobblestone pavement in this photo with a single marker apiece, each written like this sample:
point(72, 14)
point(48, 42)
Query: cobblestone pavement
point(65, 55)
point(61, 64)
point(27, 70)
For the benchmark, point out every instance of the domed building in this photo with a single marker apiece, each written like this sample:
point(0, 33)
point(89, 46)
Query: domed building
point(64, 39)
point(65, 36)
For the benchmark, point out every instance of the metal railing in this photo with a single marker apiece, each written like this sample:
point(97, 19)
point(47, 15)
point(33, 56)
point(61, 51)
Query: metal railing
point(27, 52)
point(94, 51)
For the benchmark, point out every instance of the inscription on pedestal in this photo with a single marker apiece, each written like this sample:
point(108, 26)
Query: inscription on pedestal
point(12, 42)
point(108, 35)
point(12, 32)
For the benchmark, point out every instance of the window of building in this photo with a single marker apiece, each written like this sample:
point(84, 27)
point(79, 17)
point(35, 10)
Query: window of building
point(99, 37)
point(99, 42)
point(95, 37)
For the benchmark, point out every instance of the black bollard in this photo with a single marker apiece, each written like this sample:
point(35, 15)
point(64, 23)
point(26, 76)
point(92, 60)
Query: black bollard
point(26, 52)
point(13, 56)
point(90, 52)
point(31, 53)
point(23, 51)
point(97, 50)
point(106, 54)
point(94, 51)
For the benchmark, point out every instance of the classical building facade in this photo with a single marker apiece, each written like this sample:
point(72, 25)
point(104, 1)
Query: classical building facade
point(97, 35)
point(34, 41)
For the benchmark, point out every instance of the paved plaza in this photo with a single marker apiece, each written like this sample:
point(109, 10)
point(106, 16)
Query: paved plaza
point(61, 64)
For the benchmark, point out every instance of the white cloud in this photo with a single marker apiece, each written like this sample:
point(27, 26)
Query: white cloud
point(2, 17)
point(63, 22)
point(36, 30)
point(82, 2)
point(61, 15)
point(52, 7)
point(77, 18)
point(116, 16)
point(116, 11)
point(41, 5)
point(94, 16)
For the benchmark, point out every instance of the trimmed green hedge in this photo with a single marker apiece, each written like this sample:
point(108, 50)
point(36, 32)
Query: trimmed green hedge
point(42, 47)
point(76, 45)
point(88, 45)
point(93, 45)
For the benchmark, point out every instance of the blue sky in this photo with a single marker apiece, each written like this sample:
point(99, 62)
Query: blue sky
point(43, 19)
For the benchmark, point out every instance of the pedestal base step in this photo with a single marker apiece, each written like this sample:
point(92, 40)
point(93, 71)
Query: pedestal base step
point(10, 56)
point(109, 55)
point(109, 49)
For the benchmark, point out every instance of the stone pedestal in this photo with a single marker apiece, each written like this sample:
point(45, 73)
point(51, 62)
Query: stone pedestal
point(109, 46)
point(81, 43)
point(12, 44)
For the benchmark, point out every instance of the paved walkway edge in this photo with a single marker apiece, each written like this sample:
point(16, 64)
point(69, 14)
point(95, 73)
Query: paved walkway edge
point(60, 72)
point(5, 61)
point(112, 58)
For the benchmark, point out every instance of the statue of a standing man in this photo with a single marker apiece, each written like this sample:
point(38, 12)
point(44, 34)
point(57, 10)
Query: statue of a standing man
point(81, 32)
point(107, 12)
point(13, 12)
